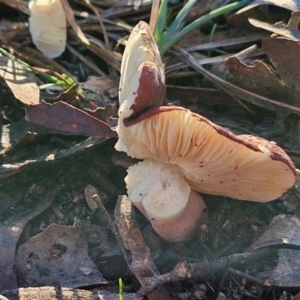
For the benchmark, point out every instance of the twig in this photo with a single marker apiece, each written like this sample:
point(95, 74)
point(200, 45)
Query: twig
point(142, 264)
point(184, 270)
point(92, 194)
point(246, 276)
point(91, 65)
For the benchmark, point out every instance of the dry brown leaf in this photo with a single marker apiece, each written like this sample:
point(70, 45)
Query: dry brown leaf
point(278, 28)
point(56, 256)
point(279, 81)
point(21, 82)
point(9, 235)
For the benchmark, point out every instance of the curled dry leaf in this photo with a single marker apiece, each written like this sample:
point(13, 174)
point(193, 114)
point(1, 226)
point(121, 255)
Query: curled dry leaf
point(278, 79)
point(22, 82)
point(47, 25)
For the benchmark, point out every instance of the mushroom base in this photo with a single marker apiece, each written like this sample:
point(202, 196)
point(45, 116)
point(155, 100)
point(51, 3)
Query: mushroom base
point(161, 193)
point(183, 226)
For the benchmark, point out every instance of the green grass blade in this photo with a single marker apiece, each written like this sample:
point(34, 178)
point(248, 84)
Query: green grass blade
point(170, 39)
point(161, 20)
point(175, 26)
point(121, 296)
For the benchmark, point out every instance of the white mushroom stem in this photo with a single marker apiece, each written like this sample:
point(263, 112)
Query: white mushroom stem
point(161, 193)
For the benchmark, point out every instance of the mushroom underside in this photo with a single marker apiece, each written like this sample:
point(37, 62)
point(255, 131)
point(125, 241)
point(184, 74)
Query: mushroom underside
point(212, 161)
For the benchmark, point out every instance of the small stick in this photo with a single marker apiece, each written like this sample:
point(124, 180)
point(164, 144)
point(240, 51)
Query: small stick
point(246, 276)
point(153, 15)
point(142, 264)
point(92, 194)
point(184, 270)
point(112, 227)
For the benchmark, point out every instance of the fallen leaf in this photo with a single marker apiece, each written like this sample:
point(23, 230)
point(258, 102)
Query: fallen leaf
point(287, 272)
point(57, 256)
point(279, 80)
point(66, 118)
point(99, 85)
point(278, 28)
point(69, 96)
point(287, 66)
point(283, 231)
point(21, 82)
point(9, 235)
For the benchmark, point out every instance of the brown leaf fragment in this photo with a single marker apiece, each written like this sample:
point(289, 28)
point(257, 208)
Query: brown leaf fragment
point(142, 264)
point(233, 89)
point(9, 235)
point(287, 272)
point(277, 28)
point(98, 85)
point(258, 78)
point(21, 82)
point(69, 96)
point(68, 119)
point(102, 113)
point(283, 231)
point(287, 66)
point(57, 256)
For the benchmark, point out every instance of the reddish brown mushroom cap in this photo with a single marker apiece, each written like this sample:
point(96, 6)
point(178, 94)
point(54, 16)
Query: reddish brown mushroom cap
point(213, 160)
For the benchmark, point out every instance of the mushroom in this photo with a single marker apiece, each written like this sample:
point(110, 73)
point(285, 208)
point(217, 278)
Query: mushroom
point(211, 159)
point(142, 74)
point(48, 26)
point(161, 193)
